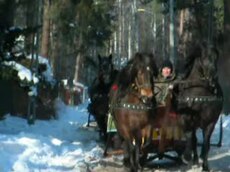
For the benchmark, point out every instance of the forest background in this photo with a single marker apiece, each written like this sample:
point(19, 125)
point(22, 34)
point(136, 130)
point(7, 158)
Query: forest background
point(71, 33)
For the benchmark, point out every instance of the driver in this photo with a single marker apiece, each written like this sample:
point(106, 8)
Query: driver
point(164, 81)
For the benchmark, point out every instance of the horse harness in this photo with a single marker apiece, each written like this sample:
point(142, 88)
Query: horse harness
point(183, 85)
point(133, 106)
point(136, 107)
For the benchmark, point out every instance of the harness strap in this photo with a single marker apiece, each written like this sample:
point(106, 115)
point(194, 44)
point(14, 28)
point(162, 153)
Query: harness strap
point(200, 99)
point(132, 106)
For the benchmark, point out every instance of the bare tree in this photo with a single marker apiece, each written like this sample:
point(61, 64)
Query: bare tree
point(45, 29)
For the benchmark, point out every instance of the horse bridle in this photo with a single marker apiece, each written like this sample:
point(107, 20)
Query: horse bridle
point(137, 86)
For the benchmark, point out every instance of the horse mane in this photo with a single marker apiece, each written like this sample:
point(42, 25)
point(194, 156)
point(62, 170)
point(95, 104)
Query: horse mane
point(128, 74)
point(190, 60)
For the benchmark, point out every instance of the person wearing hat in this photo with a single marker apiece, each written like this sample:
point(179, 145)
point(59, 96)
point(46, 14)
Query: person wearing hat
point(164, 81)
point(166, 73)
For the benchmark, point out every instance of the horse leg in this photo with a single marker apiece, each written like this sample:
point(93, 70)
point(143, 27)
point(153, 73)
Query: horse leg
point(145, 146)
point(137, 154)
point(132, 152)
point(206, 145)
point(108, 143)
point(100, 119)
point(186, 157)
point(202, 146)
point(126, 159)
point(136, 157)
point(144, 151)
point(89, 108)
point(131, 159)
point(194, 147)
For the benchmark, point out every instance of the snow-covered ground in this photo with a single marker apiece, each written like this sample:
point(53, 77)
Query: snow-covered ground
point(67, 145)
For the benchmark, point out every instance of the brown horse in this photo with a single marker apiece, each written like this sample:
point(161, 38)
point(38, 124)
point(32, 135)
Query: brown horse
point(132, 105)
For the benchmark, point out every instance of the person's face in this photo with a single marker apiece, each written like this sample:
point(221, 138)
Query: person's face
point(166, 71)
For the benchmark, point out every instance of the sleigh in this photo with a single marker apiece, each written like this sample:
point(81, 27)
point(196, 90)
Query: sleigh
point(166, 140)
point(197, 99)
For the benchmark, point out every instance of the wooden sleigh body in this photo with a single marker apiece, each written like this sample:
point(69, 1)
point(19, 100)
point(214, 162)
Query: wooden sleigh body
point(167, 137)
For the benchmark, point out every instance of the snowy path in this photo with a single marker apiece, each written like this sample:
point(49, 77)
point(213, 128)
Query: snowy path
point(66, 145)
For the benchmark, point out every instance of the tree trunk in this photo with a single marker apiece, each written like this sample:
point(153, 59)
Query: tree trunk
point(7, 10)
point(77, 67)
point(45, 30)
point(136, 27)
point(56, 57)
point(129, 39)
point(163, 36)
point(30, 20)
point(78, 60)
point(224, 62)
point(181, 28)
point(172, 33)
point(119, 34)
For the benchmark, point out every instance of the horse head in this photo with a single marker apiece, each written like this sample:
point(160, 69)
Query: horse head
point(202, 63)
point(144, 84)
point(208, 62)
point(105, 69)
point(142, 72)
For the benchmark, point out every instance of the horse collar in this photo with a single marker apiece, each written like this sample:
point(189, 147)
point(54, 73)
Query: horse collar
point(131, 106)
point(200, 99)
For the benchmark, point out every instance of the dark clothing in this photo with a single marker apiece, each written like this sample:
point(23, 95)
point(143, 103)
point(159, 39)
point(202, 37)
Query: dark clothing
point(161, 87)
point(167, 63)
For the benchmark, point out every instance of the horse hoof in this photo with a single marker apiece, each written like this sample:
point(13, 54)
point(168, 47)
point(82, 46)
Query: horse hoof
point(205, 168)
point(134, 170)
point(143, 159)
point(195, 162)
point(186, 159)
point(126, 162)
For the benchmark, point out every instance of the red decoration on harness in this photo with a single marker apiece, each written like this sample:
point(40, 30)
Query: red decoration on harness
point(173, 114)
point(114, 87)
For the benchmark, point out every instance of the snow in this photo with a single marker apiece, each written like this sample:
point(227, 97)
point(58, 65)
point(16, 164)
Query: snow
point(48, 73)
point(27, 76)
point(23, 72)
point(65, 144)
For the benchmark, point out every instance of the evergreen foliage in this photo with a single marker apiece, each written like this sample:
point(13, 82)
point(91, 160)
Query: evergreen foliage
point(85, 17)
point(200, 9)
